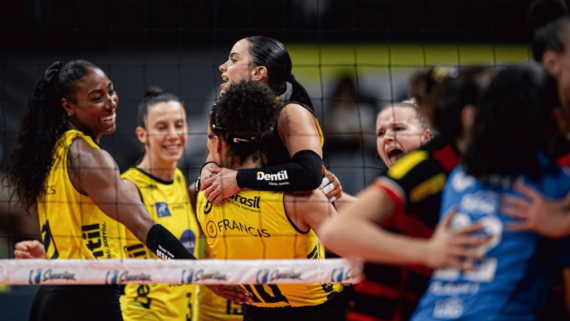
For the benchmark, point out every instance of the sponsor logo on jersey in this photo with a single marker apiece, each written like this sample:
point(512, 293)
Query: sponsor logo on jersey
point(190, 276)
point(451, 308)
point(36, 276)
point(114, 277)
point(251, 204)
point(281, 176)
point(150, 186)
point(208, 207)
point(266, 275)
point(213, 228)
point(162, 209)
point(188, 239)
point(340, 274)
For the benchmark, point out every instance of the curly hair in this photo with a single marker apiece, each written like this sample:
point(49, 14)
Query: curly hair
point(43, 124)
point(446, 91)
point(244, 116)
point(513, 122)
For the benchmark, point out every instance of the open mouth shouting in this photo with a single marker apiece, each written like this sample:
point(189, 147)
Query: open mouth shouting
point(394, 154)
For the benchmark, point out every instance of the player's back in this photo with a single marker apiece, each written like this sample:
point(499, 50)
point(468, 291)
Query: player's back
point(511, 282)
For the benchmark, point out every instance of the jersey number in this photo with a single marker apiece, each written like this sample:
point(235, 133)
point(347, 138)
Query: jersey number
point(266, 297)
point(485, 270)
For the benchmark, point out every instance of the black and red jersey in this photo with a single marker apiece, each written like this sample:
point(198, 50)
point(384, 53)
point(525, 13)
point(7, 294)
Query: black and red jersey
point(415, 184)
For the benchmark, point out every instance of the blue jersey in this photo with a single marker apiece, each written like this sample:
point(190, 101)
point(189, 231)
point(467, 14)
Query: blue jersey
point(512, 282)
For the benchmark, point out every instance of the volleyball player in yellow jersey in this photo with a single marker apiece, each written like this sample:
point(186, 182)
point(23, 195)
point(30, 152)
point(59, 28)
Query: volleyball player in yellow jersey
point(57, 166)
point(163, 131)
point(263, 224)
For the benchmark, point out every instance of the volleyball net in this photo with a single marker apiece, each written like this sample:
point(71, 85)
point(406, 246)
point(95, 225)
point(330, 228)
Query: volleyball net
point(41, 271)
point(353, 57)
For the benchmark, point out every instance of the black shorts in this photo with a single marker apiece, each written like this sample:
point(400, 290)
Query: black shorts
point(77, 302)
point(332, 310)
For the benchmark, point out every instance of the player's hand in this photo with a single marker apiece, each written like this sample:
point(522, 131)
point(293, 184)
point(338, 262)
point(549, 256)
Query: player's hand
point(234, 293)
point(455, 248)
point(331, 186)
point(221, 185)
point(548, 218)
point(29, 250)
point(206, 172)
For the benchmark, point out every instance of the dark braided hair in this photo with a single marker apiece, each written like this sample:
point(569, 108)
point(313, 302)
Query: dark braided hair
point(272, 54)
point(244, 116)
point(43, 123)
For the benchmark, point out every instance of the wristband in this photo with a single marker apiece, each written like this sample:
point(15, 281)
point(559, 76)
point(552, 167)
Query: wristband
point(304, 173)
point(165, 245)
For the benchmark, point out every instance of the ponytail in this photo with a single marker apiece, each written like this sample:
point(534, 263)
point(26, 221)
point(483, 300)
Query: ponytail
point(43, 124)
point(299, 93)
point(272, 54)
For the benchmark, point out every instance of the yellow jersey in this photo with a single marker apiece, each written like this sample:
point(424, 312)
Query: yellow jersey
point(72, 226)
point(168, 204)
point(213, 307)
point(254, 225)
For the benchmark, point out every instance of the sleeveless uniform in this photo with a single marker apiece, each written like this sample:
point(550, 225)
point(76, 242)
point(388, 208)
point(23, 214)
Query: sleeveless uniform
point(73, 227)
point(168, 204)
point(512, 281)
point(415, 184)
point(254, 225)
point(275, 151)
point(213, 307)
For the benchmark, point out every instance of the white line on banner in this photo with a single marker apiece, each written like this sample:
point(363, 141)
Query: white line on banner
point(40, 271)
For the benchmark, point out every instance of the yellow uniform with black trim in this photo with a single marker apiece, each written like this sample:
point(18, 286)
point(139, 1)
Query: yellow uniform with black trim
point(169, 205)
point(213, 307)
point(254, 225)
point(72, 226)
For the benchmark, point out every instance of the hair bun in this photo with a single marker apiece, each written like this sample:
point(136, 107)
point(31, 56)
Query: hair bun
point(153, 92)
point(542, 12)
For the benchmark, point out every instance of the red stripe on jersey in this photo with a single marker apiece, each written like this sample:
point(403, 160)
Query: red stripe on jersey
point(378, 289)
point(355, 316)
point(398, 201)
point(564, 160)
point(446, 157)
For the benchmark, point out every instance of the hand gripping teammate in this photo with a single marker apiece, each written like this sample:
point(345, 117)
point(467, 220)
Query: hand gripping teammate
point(294, 152)
point(513, 280)
point(408, 198)
point(255, 224)
point(58, 167)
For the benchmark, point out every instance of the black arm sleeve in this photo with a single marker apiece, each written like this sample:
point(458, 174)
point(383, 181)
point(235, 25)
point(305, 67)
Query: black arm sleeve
point(165, 245)
point(304, 173)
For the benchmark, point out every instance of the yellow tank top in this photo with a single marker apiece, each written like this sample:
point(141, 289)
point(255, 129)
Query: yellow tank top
point(72, 226)
point(254, 225)
point(213, 307)
point(168, 204)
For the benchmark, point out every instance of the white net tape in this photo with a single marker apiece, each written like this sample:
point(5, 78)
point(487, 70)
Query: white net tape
point(179, 272)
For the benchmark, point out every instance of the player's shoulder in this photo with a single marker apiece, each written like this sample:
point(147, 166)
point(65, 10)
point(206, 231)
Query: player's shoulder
point(438, 156)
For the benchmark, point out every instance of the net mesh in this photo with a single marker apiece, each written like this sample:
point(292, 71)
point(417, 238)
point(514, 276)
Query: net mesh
point(353, 57)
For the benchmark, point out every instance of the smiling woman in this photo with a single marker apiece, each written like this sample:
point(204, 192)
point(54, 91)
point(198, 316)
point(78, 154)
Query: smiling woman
point(58, 167)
